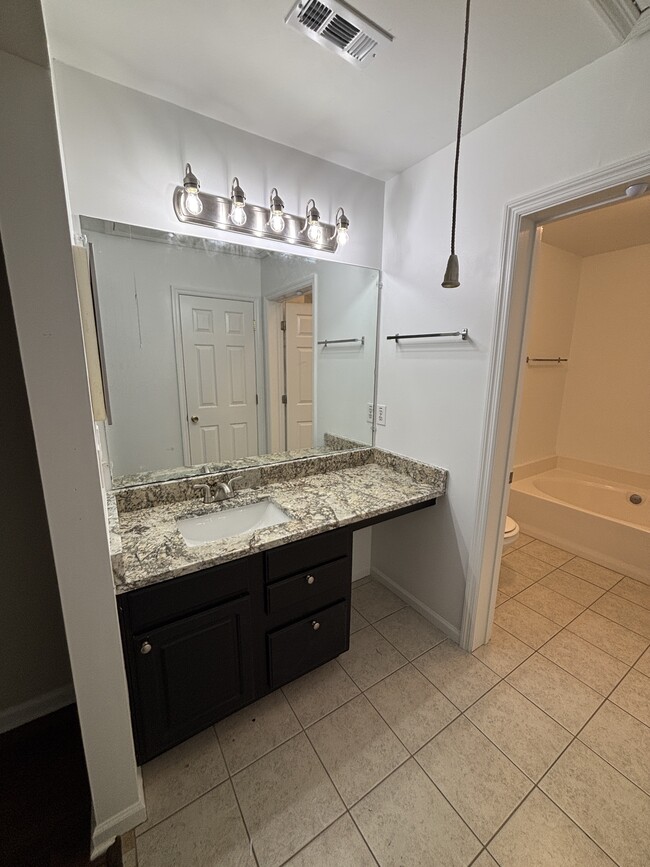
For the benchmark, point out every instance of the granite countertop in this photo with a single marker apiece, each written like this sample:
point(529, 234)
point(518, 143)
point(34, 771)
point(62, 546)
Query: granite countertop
point(153, 550)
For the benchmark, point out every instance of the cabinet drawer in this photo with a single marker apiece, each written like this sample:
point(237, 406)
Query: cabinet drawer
point(309, 586)
point(308, 553)
point(302, 646)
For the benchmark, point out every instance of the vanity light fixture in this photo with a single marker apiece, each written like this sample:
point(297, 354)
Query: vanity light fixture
point(451, 279)
point(276, 218)
point(191, 202)
point(233, 213)
point(238, 199)
point(312, 223)
point(342, 230)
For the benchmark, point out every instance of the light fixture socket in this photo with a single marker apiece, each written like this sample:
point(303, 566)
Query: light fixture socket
point(237, 194)
point(312, 215)
point(341, 228)
point(190, 181)
point(277, 205)
point(451, 278)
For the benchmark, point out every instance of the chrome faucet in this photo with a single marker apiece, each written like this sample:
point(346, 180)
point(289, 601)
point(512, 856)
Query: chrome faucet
point(224, 491)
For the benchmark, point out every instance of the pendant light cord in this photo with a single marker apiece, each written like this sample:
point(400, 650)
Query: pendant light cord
point(459, 130)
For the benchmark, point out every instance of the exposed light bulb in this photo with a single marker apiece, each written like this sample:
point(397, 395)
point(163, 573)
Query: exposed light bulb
point(342, 236)
point(238, 215)
point(277, 222)
point(314, 232)
point(238, 199)
point(341, 230)
point(193, 204)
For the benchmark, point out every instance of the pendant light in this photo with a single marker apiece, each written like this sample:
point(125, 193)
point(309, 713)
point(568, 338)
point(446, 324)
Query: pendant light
point(451, 279)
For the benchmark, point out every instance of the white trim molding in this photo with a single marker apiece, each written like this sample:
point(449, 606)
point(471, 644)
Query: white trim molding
point(619, 15)
point(105, 834)
point(497, 449)
point(20, 714)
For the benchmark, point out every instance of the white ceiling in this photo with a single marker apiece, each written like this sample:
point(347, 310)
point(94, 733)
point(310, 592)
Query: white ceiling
point(236, 61)
point(614, 227)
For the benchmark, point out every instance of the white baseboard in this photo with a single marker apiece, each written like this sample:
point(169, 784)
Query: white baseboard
point(30, 710)
point(106, 832)
point(428, 613)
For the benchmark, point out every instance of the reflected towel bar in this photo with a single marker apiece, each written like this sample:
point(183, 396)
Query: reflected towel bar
point(360, 340)
point(397, 337)
point(529, 358)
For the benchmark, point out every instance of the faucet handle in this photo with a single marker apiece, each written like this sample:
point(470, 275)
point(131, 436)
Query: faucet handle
point(234, 479)
point(206, 491)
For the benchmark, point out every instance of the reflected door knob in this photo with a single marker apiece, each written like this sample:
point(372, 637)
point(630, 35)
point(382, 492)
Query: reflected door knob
point(195, 419)
point(310, 579)
point(315, 625)
point(145, 647)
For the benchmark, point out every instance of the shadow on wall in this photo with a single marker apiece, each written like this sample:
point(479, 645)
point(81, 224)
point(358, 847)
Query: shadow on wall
point(415, 552)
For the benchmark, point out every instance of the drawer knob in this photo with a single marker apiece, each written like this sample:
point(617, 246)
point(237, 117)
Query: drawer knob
point(310, 579)
point(145, 647)
point(315, 625)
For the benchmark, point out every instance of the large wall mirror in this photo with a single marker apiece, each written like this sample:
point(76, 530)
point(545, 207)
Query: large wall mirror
point(218, 355)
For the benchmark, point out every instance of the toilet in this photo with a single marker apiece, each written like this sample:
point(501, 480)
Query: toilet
point(511, 533)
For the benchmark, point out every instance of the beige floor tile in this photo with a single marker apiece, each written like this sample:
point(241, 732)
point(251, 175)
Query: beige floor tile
point(524, 623)
point(409, 632)
point(248, 734)
point(475, 777)
point(588, 663)
point(578, 589)
point(540, 835)
point(633, 591)
point(608, 636)
point(357, 747)
point(361, 581)
point(374, 601)
point(503, 652)
point(208, 831)
point(599, 575)
point(286, 799)
point(319, 692)
point(643, 664)
point(529, 567)
point(565, 698)
point(500, 598)
point(522, 540)
point(357, 622)
point(341, 845)
point(607, 806)
point(550, 604)
point(370, 658)
point(511, 582)
point(456, 673)
point(633, 695)
point(548, 553)
point(622, 741)
point(408, 823)
point(625, 613)
point(412, 706)
point(528, 736)
point(485, 860)
point(180, 775)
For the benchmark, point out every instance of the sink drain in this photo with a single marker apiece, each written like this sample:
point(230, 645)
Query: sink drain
point(636, 499)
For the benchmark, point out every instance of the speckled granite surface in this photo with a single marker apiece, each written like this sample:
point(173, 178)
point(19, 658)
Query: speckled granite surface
point(153, 549)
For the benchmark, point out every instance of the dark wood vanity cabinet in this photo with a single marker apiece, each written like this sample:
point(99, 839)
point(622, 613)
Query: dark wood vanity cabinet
point(200, 646)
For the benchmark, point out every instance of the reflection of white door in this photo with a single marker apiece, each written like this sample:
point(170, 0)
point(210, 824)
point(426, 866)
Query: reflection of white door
point(300, 383)
point(218, 344)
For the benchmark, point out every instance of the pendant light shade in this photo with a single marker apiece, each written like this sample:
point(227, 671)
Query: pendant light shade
point(451, 279)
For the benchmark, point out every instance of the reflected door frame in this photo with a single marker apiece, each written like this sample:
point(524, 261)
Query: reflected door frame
point(176, 292)
point(274, 356)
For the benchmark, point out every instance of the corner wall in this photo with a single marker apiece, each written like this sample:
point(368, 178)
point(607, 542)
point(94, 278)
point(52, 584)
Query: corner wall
point(436, 392)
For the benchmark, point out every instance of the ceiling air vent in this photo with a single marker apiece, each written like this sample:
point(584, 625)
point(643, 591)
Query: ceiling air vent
point(337, 26)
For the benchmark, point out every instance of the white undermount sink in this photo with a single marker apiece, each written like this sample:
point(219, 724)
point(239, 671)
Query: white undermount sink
point(230, 522)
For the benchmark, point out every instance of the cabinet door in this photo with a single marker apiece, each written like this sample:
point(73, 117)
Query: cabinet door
point(191, 673)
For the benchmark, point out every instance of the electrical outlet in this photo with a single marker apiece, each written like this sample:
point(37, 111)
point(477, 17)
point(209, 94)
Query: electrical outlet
point(370, 414)
point(381, 413)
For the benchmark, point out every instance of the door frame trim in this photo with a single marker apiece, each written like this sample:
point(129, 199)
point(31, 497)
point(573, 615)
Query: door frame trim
point(176, 292)
point(505, 373)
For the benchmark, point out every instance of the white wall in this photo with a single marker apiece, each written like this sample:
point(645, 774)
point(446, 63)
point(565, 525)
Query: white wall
point(36, 243)
point(554, 293)
point(346, 306)
point(606, 410)
point(126, 151)
point(436, 393)
point(135, 279)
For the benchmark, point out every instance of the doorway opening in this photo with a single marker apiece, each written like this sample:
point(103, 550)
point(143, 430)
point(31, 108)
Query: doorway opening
point(523, 219)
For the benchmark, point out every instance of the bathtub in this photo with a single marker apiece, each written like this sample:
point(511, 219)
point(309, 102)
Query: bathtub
point(586, 515)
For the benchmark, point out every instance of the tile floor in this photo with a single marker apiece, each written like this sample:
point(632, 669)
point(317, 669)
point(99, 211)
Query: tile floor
point(534, 750)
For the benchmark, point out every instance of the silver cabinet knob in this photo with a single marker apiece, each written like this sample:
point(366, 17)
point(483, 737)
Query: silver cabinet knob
point(310, 579)
point(145, 647)
point(315, 625)
point(195, 419)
